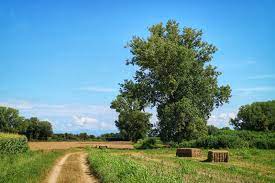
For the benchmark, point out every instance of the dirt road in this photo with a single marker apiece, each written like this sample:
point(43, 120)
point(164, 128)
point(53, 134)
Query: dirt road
point(72, 168)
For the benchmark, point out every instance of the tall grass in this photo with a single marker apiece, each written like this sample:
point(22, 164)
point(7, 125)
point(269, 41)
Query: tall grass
point(118, 169)
point(161, 166)
point(29, 167)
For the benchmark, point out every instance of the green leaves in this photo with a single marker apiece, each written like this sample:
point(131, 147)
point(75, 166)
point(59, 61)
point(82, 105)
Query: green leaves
point(132, 122)
point(174, 75)
point(259, 116)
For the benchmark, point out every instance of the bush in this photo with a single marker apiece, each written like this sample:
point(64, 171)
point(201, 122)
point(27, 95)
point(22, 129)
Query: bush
point(222, 141)
point(233, 139)
point(12, 143)
point(148, 143)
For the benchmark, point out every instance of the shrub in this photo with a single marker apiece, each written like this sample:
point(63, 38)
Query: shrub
point(233, 139)
point(148, 143)
point(12, 143)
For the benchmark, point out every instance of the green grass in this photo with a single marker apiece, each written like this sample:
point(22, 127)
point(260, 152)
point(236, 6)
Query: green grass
point(26, 167)
point(12, 143)
point(161, 165)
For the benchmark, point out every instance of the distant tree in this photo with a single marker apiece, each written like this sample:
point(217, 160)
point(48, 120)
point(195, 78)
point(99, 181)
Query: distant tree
point(83, 136)
point(45, 130)
point(259, 116)
point(10, 120)
point(174, 75)
point(212, 130)
point(133, 123)
point(34, 129)
point(225, 128)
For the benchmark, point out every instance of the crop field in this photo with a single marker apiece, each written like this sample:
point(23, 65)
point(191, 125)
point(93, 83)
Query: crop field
point(68, 145)
point(161, 165)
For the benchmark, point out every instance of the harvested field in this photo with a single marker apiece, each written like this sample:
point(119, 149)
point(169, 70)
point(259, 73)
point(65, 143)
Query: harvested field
point(68, 145)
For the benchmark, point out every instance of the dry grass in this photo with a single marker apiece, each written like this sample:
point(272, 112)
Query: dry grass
point(74, 170)
point(68, 145)
point(71, 170)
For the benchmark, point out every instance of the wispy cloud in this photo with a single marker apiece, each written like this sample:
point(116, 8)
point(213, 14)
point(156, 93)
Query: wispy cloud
point(96, 89)
point(221, 119)
point(264, 76)
point(68, 117)
point(252, 91)
point(257, 89)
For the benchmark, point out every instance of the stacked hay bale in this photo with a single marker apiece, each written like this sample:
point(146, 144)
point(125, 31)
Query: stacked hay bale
point(103, 147)
point(188, 152)
point(218, 156)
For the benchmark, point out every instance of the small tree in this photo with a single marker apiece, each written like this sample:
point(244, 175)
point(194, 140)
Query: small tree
point(83, 136)
point(259, 116)
point(132, 122)
point(10, 120)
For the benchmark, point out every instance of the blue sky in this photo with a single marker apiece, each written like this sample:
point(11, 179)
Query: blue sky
point(62, 60)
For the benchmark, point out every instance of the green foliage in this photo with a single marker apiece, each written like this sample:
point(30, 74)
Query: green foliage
point(132, 122)
point(33, 128)
point(148, 143)
point(10, 121)
point(233, 139)
point(73, 137)
point(36, 129)
point(120, 169)
point(13, 143)
point(174, 74)
point(259, 116)
point(162, 166)
point(29, 167)
point(212, 130)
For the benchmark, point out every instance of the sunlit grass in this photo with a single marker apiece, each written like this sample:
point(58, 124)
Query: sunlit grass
point(161, 165)
point(27, 167)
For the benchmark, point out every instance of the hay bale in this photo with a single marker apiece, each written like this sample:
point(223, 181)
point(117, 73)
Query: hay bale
point(188, 152)
point(218, 156)
point(102, 147)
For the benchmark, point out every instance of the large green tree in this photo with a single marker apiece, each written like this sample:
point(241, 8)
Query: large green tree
point(258, 116)
point(174, 75)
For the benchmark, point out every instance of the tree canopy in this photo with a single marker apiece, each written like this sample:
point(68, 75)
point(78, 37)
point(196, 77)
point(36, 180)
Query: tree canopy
point(174, 75)
point(258, 116)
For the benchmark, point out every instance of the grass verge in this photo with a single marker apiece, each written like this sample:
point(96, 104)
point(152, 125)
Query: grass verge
point(29, 167)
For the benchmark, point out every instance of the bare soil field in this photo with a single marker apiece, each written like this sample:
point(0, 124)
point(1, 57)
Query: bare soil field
point(68, 145)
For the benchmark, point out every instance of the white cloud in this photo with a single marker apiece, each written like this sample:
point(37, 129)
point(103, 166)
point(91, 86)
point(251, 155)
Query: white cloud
point(247, 92)
point(96, 89)
point(221, 119)
point(68, 117)
point(82, 121)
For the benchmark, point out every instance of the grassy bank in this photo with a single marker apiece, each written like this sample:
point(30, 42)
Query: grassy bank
point(26, 167)
point(161, 165)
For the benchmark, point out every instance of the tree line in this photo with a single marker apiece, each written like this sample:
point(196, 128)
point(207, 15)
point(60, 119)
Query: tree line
point(32, 128)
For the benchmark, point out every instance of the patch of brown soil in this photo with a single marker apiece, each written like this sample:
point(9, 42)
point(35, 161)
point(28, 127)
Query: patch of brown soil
point(76, 170)
point(68, 145)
